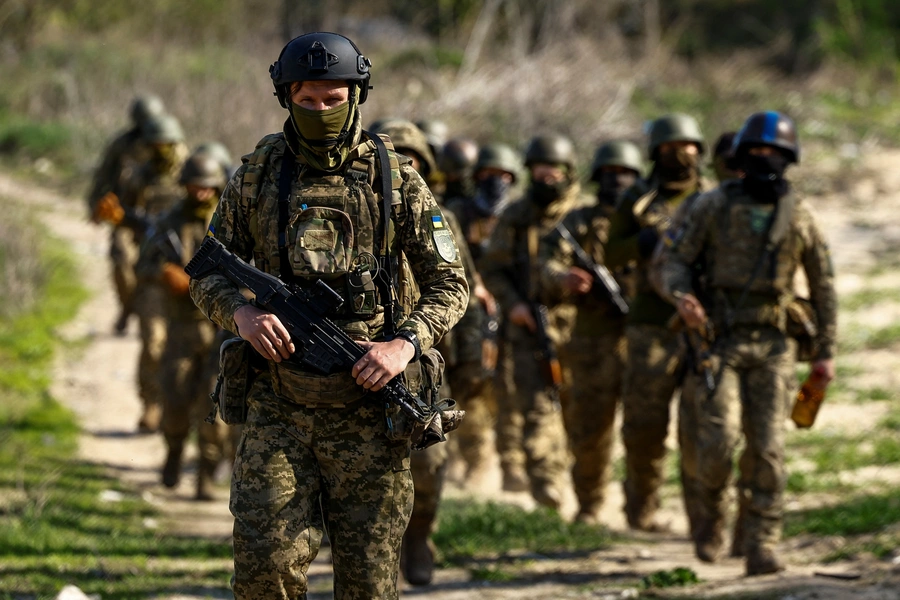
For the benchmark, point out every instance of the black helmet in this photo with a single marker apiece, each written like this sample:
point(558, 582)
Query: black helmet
point(551, 149)
point(204, 170)
point(499, 156)
point(458, 157)
point(144, 108)
point(725, 144)
point(768, 128)
point(617, 154)
point(674, 128)
point(317, 57)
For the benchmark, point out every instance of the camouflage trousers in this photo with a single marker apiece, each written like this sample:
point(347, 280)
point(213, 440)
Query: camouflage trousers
point(693, 388)
point(429, 469)
point(474, 393)
point(300, 471)
point(755, 382)
point(148, 305)
point(651, 379)
point(530, 432)
point(187, 381)
point(123, 253)
point(594, 368)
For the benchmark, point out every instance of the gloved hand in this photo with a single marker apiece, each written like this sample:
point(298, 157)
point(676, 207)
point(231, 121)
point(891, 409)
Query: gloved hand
point(108, 209)
point(176, 279)
point(648, 237)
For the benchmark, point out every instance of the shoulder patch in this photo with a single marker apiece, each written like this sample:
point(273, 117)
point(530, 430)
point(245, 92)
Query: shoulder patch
point(444, 245)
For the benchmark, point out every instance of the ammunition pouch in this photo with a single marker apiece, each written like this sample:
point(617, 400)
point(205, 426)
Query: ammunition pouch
point(802, 325)
point(236, 375)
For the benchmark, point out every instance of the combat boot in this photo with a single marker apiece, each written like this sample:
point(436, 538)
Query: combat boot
point(205, 476)
point(417, 551)
point(546, 494)
point(589, 515)
point(762, 560)
point(515, 479)
point(171, 472)
point(708, 540)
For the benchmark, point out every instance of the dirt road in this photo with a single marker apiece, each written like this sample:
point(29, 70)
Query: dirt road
point(96, 380)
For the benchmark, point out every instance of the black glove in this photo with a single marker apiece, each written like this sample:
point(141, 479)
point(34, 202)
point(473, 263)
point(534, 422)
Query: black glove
point(647, 240)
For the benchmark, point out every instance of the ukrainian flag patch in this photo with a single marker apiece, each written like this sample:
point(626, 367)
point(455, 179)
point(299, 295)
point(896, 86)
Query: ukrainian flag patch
point(437, 222)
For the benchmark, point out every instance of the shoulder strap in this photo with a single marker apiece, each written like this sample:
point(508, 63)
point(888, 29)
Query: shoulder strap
point(284, 207)
point(386, 273)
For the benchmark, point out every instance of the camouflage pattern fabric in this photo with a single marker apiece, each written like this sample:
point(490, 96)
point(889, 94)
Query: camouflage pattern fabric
point(292, 454)
point(729, 230)
point(123, 253)
point(122, 156)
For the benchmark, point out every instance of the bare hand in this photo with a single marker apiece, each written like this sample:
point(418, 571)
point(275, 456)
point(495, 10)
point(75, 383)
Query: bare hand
point(824, 371)
point(520, 314)
point(691, 311)
point(486, 299)
point(265, 332)
point(382, 362)
point(578, 281)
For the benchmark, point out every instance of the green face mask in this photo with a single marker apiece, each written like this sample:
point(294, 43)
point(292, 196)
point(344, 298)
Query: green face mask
point(320, 128)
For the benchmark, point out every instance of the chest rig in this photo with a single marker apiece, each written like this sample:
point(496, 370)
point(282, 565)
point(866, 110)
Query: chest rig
point(329, 226)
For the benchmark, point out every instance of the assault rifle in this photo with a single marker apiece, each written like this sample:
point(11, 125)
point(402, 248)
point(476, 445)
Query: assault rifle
point(546, 354)
point(603, 279)
point(323, 346)
point(168, 242)
point(699, 343)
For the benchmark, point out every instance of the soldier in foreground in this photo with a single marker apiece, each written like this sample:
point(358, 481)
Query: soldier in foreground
point(320, 451)
point(749, 236)
point(121, 158)
point(189, 334)
point(530, 439)
point(655, 356)
point(595, 355)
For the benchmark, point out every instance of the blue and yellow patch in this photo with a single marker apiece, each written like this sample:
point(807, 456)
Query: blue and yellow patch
point(211, 232)
point(437, 222)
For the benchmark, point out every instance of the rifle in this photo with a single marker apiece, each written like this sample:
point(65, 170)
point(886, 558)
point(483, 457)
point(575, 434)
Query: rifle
point(699, 342)
point(169, 244)
point(325, 347)
point(603, 279)
point(546, 354)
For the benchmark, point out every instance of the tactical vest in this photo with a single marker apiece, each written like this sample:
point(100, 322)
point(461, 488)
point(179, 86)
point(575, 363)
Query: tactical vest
point(752, 256)
point(331, 228)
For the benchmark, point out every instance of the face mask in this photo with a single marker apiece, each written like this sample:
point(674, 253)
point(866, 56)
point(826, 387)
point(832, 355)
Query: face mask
point(765, 176)
point(678, 166)
point(320, 131)
point(163, 157)
point(612, 185)
point(543, 194)
point(491, 192)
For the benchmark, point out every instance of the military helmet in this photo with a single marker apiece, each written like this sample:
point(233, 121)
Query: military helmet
point(499, 156)
point(458, 156)
point(674, 128)
point(769, 128)
point(725, 144)
point(617, 154)
point(144, 108)
point(551, 149)
point(436, 133)
point(319, 56)
point(164, 129)
point(407, 138)
point(204, 170)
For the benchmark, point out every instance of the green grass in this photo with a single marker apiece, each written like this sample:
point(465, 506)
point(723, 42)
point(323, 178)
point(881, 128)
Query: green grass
point(470, 530)
point(868, 298)
point(859, 515)
point(54, 526)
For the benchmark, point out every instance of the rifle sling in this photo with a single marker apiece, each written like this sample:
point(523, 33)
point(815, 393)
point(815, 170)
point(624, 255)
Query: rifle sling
point(385, 280)
point(284, 206)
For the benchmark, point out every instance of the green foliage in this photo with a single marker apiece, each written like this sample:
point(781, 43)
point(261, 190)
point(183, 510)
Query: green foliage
point(491, 574)
point(862, 514)
point(470, 529)
point(868, 298)
point(679, 576)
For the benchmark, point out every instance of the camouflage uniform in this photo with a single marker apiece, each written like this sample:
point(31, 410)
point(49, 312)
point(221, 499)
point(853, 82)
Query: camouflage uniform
point(752, 356)
point(529, 430)
point(316, 450)
point(151, 192)
point(594, 358)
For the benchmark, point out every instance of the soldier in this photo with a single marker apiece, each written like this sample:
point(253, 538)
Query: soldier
point(654, 360)
point(189, 334)
point(320, 451)
point(529, 431)
point(436, 133)
point(723, 159)
point(152, 191)
point(749, 236)
point(219, 152)
point(122, 156)
point(429, 466)
point(457, 162)
point(595, 355)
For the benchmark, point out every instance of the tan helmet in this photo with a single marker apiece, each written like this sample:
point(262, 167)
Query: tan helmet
point(204, 170)
point(409, 139)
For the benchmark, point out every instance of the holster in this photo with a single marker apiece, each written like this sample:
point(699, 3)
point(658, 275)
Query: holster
point(802, 325)
point(236, 374)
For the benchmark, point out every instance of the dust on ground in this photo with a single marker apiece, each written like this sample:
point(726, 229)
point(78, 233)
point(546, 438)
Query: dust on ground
point(96, 379)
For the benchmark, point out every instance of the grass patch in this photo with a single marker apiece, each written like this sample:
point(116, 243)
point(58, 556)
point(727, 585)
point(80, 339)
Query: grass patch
point(677, 577)
point(470, 529)
point(863, 514)
point(868, 298)
point(55, 525)
point(492, 574)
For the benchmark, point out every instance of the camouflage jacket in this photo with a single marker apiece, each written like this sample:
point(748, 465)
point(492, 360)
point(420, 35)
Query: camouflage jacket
point(589, 225)
point(176, 237)
point(120, 160)
point(335, 220)
point(510, 263)
point(476, 228)
point(748, 254)
point(149, 192)
point(645, 204)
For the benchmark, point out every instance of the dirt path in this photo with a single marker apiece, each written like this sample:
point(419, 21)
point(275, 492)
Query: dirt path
point(96, 380)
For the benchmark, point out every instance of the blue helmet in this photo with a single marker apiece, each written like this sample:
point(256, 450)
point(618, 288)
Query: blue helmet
point(769, 128)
